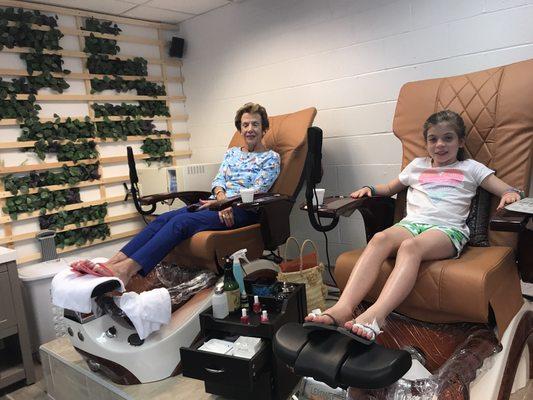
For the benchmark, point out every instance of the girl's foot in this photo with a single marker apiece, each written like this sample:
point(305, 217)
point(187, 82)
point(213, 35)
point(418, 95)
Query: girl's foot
point(336, 315)
point(365, 326)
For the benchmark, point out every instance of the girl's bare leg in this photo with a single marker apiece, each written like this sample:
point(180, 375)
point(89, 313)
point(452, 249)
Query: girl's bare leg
point(364, 274)
point(430, 245)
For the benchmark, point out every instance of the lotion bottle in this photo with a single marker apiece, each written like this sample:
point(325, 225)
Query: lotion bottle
point(220, 303)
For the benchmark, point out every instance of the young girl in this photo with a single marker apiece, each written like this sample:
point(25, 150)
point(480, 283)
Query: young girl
point(440, 188)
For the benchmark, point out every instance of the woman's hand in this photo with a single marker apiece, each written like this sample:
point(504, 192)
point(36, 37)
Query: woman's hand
point(226, 217)
point(364, 191)
point(508, 198)
point(206, 203)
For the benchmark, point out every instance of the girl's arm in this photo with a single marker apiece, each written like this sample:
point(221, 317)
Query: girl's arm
point(388, 189)
point(501, 189)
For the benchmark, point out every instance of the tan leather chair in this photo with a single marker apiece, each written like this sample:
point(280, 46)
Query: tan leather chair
point(287, 136)
point(483, 285)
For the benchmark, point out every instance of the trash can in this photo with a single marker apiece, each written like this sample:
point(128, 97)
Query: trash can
point(36, 283)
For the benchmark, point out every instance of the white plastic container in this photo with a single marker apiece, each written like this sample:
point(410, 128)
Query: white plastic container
point(36, 281)
point(219, 302)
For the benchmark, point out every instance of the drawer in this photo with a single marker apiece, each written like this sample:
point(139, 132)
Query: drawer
point(7, 311)
point(224, 369)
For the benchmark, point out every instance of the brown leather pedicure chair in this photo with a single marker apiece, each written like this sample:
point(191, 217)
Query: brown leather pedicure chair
point(110, 344)
point(466, 319)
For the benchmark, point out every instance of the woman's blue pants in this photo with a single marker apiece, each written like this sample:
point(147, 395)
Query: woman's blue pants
point(161, 235)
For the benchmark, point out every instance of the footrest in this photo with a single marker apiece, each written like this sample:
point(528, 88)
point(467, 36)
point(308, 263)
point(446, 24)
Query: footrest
point(337, 360)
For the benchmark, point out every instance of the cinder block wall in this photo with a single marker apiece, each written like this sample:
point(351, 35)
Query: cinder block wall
point(348, 59)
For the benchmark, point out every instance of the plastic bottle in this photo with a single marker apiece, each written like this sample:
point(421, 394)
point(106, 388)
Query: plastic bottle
point(220, 303)
point(256, 307)
point(238, 270)
point(245, 319)
point(231, 287)
point(244, 300)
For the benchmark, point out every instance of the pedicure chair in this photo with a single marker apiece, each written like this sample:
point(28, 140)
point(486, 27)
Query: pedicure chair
point(105, 338)
point(466, 319)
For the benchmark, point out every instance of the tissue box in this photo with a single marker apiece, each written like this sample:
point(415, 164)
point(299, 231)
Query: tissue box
point(246, 346)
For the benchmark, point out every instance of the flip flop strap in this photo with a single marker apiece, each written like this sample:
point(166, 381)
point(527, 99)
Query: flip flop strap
point(332, 318)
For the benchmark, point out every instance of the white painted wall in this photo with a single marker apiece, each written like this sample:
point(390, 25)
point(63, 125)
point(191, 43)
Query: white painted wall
point(347, 58)
point(14, 157)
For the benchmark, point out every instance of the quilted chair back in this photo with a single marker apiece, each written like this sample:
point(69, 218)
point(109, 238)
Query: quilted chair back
point(497, 107)
point(287, 136)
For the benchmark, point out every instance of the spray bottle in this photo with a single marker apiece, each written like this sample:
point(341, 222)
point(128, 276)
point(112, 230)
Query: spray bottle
point(238, 270)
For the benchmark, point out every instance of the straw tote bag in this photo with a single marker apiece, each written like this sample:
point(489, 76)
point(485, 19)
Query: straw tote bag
point(315, 290)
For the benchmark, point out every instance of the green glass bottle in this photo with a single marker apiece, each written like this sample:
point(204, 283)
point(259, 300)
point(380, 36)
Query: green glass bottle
point(231, 286)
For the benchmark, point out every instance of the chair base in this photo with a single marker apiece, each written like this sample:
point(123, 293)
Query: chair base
point(466, 360)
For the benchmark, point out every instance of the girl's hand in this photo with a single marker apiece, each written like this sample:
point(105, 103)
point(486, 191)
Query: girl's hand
point(508, 198)
point(361, 193)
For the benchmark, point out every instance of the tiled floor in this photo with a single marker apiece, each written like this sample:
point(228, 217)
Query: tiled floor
point(189, 389)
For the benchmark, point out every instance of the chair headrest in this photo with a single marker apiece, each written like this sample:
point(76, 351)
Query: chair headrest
point(496, 105)
point(287, 136)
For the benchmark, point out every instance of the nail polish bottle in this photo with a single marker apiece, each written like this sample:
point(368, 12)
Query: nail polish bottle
point(264, 316)
point(245, 319)
point(256, 308)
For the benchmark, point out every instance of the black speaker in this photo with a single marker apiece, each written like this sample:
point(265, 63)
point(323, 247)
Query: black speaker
point(176, 47)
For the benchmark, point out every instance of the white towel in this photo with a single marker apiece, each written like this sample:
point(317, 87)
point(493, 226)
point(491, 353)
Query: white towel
point(148, 310)
point(73, 291)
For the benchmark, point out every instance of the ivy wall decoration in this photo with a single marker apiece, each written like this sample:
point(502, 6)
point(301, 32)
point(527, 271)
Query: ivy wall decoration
point(22, 35)
point(95, 45)
point(79, 237)
point(73, 140)
point(70, 129)
point(103, 64)
point(146, 108)
point(142, 86)
point(66, 176)
point(77, 217)
point(45, 200)
point(95, 25)
point(68, 151)
point(29, 17)
point(156, 149)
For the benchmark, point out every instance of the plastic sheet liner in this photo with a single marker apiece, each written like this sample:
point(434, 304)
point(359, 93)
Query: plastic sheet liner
point(183, 283)
point(451, 381)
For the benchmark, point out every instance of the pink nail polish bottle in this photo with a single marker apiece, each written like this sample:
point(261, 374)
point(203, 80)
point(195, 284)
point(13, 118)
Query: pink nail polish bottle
point(256, 307)
point(264, 316)
point(245, 319)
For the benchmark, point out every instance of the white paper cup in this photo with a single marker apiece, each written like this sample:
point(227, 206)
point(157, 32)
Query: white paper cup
point(320, 195)
point(247, 195)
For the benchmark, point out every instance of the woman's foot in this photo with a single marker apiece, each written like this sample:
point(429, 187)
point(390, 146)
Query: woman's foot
point(124, 270)
point(336, 315)
point(117, 258)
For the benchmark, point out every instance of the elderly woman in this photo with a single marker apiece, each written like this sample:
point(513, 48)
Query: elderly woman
point(251, 166)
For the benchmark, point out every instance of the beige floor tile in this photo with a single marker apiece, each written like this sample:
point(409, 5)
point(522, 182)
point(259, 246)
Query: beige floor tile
point(525, 393)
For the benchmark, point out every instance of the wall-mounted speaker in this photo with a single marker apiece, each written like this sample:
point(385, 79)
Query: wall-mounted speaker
point(176, 47)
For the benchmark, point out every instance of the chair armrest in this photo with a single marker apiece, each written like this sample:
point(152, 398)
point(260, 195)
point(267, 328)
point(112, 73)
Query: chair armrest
point(377, 211)
point(509, 221)
point(188, 197)
point(263, 200)
point(260, 200)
